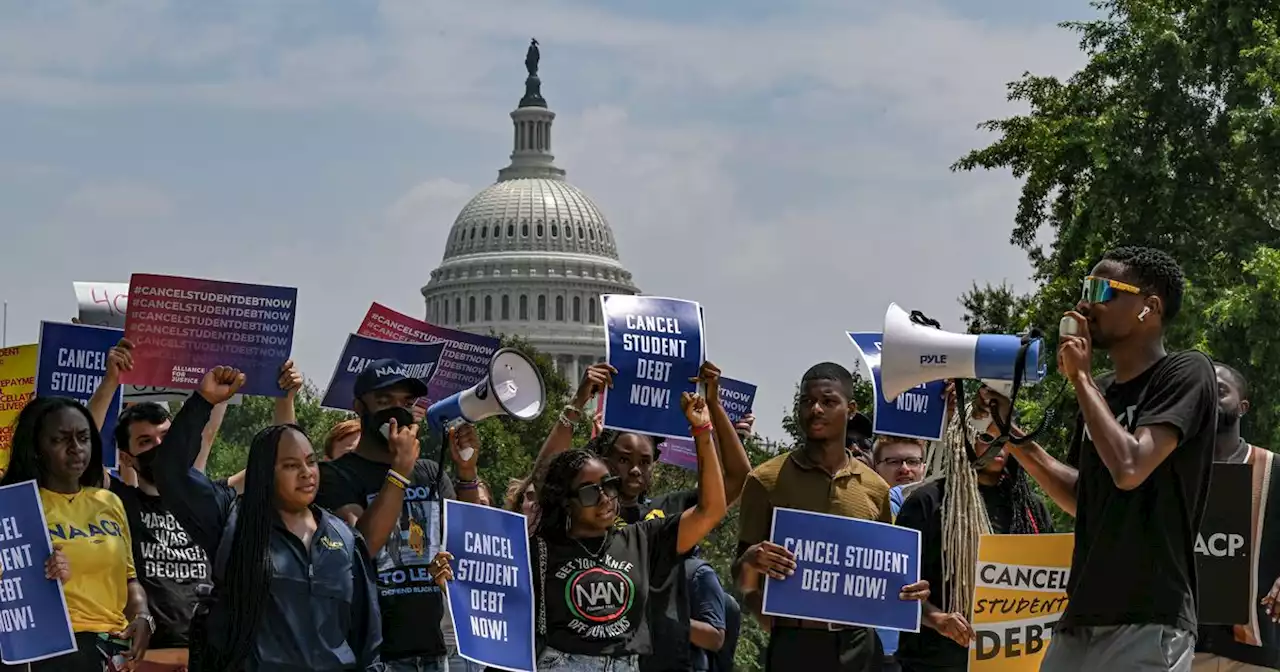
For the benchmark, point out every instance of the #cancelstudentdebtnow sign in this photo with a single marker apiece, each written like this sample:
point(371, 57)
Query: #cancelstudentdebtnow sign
point(848, 571)
point(491, 595)
point(182, 327)
point(464, 362)
point(419, 360)
point(919, 413)
point(656, 345)
point(72, 361)
point(34, 624)
point(1020, 593)
point(17, 386)
point(1224, 562)
point(736, 397)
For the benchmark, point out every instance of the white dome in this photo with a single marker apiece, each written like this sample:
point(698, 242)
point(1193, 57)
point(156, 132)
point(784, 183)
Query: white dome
point(531, 254)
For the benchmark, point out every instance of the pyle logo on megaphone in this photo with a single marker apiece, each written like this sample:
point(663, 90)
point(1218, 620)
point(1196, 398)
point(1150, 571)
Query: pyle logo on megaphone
point(513, 387)
point(914, 354)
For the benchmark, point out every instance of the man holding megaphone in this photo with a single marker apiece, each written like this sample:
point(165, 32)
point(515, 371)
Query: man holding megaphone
point(1142, 452)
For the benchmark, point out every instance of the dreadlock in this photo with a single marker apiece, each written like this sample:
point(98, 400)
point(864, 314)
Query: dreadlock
point(964, 519)
point(24, 458)
point(602, 444)
point(555, 492)
point(1016, 489)
point(249, 572)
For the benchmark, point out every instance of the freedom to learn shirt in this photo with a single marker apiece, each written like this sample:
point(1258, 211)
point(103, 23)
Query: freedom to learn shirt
point(93, 532)
point(1134, 559)
point(411, 603)
point(593, 601)
point(169, 563)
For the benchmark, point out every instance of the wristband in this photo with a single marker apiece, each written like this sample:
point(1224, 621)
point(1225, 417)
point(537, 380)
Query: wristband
point(701, 429)
point(396, 479)
point(467, 485)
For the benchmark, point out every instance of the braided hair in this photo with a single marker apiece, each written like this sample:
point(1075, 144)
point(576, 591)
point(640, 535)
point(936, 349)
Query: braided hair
point(1015, 487)
point(602, 444)
point(556, 491)
point(964, 520)
point(249, 572)
point(24, 457)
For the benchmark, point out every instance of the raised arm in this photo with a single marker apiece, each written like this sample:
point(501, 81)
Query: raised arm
point(119, 360)
point(733, 456)
point(290, 381)
point(200, 505)
point(464, 450)
point(696, 523)
point(596, 378)
point(210, 434)
point(376, 522)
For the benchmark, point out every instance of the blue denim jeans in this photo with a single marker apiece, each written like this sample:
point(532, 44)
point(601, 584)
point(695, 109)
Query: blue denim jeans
point(459, 664)
point(557, 661)
point(418, 664)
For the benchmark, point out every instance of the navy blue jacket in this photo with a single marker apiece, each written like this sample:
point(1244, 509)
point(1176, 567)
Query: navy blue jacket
point(321, 612)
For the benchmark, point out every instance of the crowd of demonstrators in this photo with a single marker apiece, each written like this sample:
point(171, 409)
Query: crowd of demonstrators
point(57, 444)
point(821, 476)
point(900, 461)
point(981, 490)
point(577, 537)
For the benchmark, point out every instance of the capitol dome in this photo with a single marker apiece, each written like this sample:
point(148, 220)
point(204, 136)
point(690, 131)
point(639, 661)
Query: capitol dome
point(531, 254)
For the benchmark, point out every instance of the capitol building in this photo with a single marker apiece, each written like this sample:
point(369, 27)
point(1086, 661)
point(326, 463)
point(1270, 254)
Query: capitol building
point(531, 254)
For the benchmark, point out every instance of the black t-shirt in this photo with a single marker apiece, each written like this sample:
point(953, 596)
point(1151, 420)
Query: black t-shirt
point(169, 563)
point(923, 511)
point(668, 595)
point(411, 603)
point(1134, 559)
point(593, 601)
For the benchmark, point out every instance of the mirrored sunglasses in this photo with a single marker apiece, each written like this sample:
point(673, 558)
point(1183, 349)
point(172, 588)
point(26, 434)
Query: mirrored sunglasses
point(1102, 290)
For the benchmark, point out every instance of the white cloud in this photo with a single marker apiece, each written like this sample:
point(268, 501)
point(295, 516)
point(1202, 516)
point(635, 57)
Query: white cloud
point(118, 202)
point(429, 204)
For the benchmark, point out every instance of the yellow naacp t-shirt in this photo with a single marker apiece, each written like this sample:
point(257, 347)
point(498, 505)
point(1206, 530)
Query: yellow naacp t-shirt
point(93, 532)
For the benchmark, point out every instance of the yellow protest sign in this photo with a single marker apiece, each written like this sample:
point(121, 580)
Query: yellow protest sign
point(1021, 592)
point(17, 385)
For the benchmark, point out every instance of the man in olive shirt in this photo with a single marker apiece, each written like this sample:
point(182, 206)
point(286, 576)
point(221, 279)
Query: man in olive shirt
point(824, 477)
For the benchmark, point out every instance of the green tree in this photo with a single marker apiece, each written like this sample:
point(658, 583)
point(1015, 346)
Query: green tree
point(1167, 137)
point(230, 450)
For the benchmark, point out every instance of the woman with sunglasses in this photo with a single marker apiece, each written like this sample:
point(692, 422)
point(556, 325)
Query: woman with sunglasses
point(591, 578)
point(986, 492)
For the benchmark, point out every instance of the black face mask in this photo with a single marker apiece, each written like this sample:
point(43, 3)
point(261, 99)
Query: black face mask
point(371, 424)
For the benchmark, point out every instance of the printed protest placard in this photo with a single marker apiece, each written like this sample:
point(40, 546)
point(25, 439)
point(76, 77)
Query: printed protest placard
point(919, 413)
point(491, 595)
point(737, 398)
point(465, 360)
point(102, 304)
point(1021, 592)
point(162, 395)
point(1224, 562)
point(420, 360)
point(182, 327)
point(34, 624)
point(17, 386)
point(656, 345)
point(73, 359)
point(848, 571)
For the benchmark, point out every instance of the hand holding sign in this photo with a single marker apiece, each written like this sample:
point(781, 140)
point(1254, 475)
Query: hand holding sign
point(119, 360)
point(709, 375)
point(56, 568)
point(951, 625)
point(695, 409)
point(745, 424)
point(290, 379)
point(914, 592)
point(440, 570)
point(770, 559)
point(595, 380)
point(1272, 601)
point(220, 384)
point(464, 444)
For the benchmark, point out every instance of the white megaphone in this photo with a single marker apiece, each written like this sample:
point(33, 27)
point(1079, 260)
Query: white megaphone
point(513, 387)
point(912, 354)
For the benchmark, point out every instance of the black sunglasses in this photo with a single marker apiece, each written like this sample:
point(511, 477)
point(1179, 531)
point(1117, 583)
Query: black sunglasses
point(591, 493)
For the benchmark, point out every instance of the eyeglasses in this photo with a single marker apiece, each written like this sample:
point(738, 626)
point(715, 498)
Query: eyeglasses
point(1102, 290)
point(592, 493)
point(896, 462)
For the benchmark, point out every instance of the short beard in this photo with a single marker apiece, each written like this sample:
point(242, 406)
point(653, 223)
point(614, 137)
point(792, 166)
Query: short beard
point(1227, 418)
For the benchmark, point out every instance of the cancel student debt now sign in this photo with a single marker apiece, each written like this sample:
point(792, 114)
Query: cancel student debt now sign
point(1021, 592)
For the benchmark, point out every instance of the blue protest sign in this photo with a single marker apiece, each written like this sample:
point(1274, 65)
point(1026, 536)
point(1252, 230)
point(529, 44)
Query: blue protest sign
point(34, 624)
point(491, 595)
point(71, 363)
point(919, 413)
point(656, 345)
point(421, 360)
point(848, 571)
point(736, 397)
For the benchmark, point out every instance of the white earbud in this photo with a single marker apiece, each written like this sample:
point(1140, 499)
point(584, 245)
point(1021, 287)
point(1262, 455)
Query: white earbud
point(1146, 310)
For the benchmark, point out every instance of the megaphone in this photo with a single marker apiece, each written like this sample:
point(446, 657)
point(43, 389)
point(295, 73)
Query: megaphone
point(513, 387)
point(912, 354)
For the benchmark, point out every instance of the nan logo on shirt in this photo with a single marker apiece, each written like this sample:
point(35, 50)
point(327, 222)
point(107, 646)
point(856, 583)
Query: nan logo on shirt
point(599, 595)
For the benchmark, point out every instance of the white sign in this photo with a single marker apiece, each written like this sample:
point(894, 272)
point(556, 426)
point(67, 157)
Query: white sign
point(102, 304)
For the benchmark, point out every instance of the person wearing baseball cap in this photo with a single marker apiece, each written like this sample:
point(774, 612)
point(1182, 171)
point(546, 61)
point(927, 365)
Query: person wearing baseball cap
point(394, 499)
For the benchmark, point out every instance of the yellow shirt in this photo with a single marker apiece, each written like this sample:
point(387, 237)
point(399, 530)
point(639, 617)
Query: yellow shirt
point(93, 532)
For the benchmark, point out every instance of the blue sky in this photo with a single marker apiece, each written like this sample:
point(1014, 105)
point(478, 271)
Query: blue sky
point(783, 163)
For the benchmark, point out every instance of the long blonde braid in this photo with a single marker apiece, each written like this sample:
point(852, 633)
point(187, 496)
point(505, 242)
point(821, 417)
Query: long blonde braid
point(964, 519)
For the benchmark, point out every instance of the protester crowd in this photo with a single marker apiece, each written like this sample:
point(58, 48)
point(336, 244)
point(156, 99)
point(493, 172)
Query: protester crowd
point(322, 557)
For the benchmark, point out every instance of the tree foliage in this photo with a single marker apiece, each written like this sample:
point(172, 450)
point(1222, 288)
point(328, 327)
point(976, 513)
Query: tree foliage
point(1169, 137)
